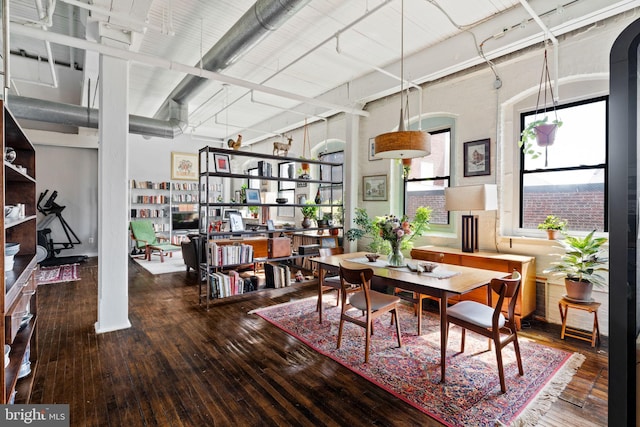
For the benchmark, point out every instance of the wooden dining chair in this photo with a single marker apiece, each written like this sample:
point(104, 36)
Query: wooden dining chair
point(330, 282)
point(416, 298)
point(374, 304)
point(490, 322)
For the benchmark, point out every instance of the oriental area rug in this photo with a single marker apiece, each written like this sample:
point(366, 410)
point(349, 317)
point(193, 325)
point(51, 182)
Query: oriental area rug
point(57, 274)
point(471, 394)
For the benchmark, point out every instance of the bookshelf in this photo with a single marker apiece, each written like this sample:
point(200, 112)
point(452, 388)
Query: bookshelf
point(216, 169)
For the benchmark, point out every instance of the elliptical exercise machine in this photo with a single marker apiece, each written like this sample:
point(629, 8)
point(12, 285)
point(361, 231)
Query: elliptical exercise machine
point(48, 249)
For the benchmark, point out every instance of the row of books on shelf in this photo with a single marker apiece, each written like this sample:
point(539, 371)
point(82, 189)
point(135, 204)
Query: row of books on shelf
point(150, 185)
point(149, 213)
point(230, 283)
point(184, 186)
point(227, 284)
point(221, 255)
point(184, 198)
point(155, 199)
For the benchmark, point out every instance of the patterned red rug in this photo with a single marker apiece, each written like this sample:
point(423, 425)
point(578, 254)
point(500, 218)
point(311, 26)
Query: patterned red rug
point(57, 274)
point(471, 395)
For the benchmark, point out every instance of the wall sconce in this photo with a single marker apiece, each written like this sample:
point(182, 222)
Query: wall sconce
point(469, 198)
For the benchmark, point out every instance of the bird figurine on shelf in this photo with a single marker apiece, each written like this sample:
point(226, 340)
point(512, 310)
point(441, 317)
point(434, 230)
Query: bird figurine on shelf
point(235, 144)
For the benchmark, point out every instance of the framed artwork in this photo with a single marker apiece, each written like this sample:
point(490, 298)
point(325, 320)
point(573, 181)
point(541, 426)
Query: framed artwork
point(327, 242)
point(477, 158)
point(374, 188)
point(229, 212)
point(184, 166)
point(221, 162)
point(253, 195)
point(270, 225)
point(372, 150)
point(235, 222)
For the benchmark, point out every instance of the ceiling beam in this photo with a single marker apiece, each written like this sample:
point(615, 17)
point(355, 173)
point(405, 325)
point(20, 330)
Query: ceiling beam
point(175, 66)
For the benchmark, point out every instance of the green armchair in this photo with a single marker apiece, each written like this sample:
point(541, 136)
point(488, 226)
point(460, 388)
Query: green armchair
point(145, 238)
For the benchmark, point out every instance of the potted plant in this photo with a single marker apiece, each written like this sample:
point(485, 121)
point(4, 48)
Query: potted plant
point(581, 265)
point(553, 225)
point(325, 220)
point(254, 211)
point(310, 210)
point(541, 130)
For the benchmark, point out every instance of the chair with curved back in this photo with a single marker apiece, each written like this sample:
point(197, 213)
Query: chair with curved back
point(416, 298)
point(330, 282)
point(490, 322)
point(374, 304)
point(146, 238)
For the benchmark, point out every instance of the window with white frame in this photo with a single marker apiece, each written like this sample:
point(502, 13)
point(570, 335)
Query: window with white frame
point(569, 178)
point(428, 177)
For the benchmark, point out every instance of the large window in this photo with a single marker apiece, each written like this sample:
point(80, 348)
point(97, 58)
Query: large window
point(428, 178)
point(331, 192)
point(569, 179)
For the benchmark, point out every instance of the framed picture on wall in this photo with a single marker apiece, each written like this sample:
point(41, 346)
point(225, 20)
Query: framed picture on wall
point(184, 166)
point(374, 188)
point(372, 150)
point(477, 158)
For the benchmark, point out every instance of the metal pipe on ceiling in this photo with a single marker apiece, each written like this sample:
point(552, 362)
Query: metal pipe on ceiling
point(75, 115)
point(169, 65)
point(368, 13)
point(256, 23)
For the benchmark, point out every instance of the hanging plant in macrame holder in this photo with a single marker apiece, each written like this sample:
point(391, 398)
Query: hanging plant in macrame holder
point(541, 130)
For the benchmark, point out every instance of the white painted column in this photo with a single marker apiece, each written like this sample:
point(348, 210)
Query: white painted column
point(351, 177)
point(113, 295)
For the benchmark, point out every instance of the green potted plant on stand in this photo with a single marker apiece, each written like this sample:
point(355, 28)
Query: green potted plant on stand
point(581, 265)
point(553, 226)
point(310, 210)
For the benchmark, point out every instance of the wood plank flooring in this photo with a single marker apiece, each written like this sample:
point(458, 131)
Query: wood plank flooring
point(179, 365)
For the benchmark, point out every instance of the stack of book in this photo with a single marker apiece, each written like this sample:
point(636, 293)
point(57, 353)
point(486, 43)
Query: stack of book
point(277, 275)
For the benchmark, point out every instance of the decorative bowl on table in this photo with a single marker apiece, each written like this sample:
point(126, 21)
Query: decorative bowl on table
point(281, 200)
point(372, 257)
point(428, 266)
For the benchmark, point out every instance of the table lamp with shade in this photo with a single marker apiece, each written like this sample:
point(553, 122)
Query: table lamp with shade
point(483, 197)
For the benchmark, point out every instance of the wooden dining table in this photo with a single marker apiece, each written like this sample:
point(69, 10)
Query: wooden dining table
point(445, 281)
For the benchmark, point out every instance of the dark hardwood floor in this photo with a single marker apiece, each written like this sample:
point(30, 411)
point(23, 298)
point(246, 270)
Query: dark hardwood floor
point(180, 365)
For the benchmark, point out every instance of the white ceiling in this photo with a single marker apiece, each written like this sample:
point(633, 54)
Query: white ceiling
point(335, 55)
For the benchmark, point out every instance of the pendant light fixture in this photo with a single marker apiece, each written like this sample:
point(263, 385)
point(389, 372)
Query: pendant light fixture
point(402, 144)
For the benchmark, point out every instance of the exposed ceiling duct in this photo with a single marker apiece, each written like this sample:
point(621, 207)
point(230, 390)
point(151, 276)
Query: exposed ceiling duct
point(74, 115)
point(263, 17)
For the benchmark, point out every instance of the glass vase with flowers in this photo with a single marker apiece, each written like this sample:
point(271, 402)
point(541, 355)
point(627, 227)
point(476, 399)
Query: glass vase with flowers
point(389, 234)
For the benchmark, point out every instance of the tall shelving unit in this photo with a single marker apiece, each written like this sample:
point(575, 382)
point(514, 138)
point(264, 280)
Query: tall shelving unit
point(184, 204)
point(211, 209)
point(19, 300)
point(150, 200)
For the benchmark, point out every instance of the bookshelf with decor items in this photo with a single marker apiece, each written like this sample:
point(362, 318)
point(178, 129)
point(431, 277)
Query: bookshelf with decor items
point(222, 222)
point(19, 301)
point(184, 210)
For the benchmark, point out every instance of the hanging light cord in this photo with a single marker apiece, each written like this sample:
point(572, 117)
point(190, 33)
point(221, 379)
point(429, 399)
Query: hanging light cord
point(401, 126)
